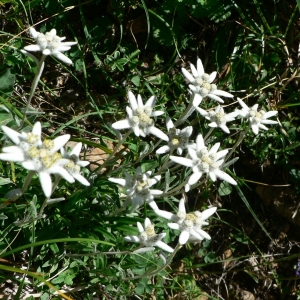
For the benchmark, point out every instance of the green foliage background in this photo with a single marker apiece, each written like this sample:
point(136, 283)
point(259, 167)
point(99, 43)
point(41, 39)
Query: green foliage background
point(141, 46)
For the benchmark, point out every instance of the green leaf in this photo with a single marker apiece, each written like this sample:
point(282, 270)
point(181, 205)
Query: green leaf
point(69, 279)
point(298, 3)
point(5, 118)
point(45, 296)
point(210, 257)
point(4, 181)
point(224, 189)
point(57, 280)
point(73, 264)
point(293, 146)
point(136, 80)
point(7, 81)
point(53, 268)
point(240, 237)
point(3, 217)
point(140, 289)
point(54, 248)
point(79, 65)
point(239, 191)
point(8, 1)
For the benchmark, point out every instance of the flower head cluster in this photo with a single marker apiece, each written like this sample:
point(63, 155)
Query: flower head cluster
point(148, 238)
point(189, 224)
point(74, 164)
point(50, 44)
point(178, 139)
point(218, 118)
point(201, 84)
point(23, 142)
point(139, 118)
point(138, 188)
point(38, 156)
point(256, 118)
point(204, 161)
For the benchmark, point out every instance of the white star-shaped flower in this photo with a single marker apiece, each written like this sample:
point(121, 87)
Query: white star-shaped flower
point(218, 118)
point(23, 142)
point(256, 118)
point(204, 161)
point(38, 156)
point(45, 160)
point(189, 224)
point(50, 44)
point(74, 163)
point(148, 238)
point(139, 118)
point(138, 188)
point(178, 139)
point(201, 84)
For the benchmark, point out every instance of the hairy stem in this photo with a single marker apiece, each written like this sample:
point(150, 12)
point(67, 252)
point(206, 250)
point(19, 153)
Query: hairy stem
point(121, 141)
point(189, 110)
point(39, 71)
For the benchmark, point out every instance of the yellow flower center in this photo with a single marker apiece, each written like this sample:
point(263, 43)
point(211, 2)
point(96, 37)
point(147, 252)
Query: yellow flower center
point(49, 144)
point(150, 230)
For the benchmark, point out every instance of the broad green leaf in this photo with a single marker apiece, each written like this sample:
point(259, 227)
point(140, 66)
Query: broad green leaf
point(136, 80)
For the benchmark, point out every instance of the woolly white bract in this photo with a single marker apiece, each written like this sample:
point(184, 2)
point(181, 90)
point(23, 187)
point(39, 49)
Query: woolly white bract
point(218, 118)
point(178, 139)
point(256, 118)
point(138, 188)
point(201, 84)
point(204, 161)
point(139, 118)
point(38, 156)
point(148, 238)
point(23, 142)
point(74, 164)
point(50, 44)
point(189, 224)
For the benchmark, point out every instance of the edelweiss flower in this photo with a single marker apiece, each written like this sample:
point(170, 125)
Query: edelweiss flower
point(138, 188)
point(256, 118)
point(201, 84)
point(38, 156)
point(23, 142)
point(46, 160)
point(204, 161)
point(139, 118)
point(218, 118)
point(50, 44)
point(148, 238)
point(178, 139)
point(74, 163)
point(189, 224)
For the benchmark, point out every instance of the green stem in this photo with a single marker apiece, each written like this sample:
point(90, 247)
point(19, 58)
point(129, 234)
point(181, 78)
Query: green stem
point(27, 181)
point(55, 184)
point(209, 133)
point(240, 139)
point(175, 191)
point(189, 110)
point(39, 71)
point(115, 150)
point(165, 164)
